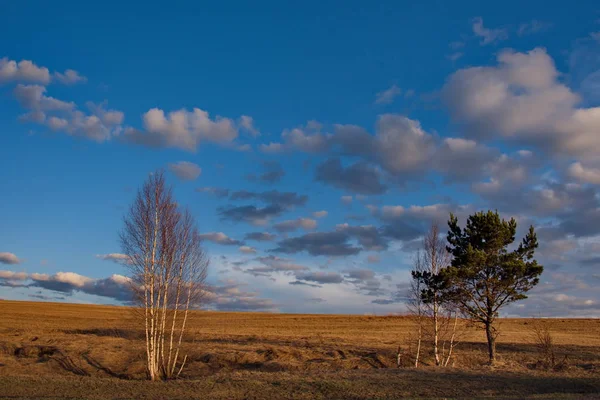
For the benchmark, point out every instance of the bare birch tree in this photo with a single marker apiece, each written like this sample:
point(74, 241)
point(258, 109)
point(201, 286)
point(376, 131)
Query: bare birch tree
point(416, 307)
point(439, 318)
point(168, 270)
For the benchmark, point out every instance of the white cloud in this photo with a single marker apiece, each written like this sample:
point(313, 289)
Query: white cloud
point(346, 199)
point(247, 250)
point(584, 174)
point(247, 123)
point(115, 257)
point(88, 126)
point(305, 139)
point(320, 277)
point(25, 71)
point(400, 145)
point(392, 211)
point(387, 96)
point(70, 278)
point(117, 287)
point(455, 56)
point(320, 214)
point(182, 129)
point(292, 225)
point(488, 36)
point(63, 116)
point(56, 123)
point(108, 117)
point(185, 170)
point(13, 276)
point(220, 238)
point(534, 26)
point(9, 258)
point(403, 146)
point(70, 77)
point(272, 148)
point(522, 99)
point(32, 97)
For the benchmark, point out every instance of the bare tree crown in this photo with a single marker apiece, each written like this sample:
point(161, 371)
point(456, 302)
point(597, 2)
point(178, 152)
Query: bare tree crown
point(168, 270)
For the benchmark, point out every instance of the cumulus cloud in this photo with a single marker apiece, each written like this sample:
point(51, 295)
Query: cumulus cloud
point(522, 99)
point(251, 214)
point(220, 238)
point(107, 117)
point(360, 274)
point(226, 296)
point(346, 199)
point(387, 96)
point(294, 224)
point(300, 283)
point(231, 297)
point(56, 114)
point(247, 250)
point(70, 77)
point(334, 243)
point(365, 281)
point(283, 199)
point(260, 236)
point(584, 174)
point(90, 126)
point(115, 257)
point(12, 279)
point(116, 287)
point(272, 264)
point(462, 160)
point(247, 123)
point(32, 97)
point(453, 57)
point(24, 70)
point(60, 116)
point(408, 223)
point(219, 192)
point(320, 277)
point(276, 203)
point(569, 204)
point(399, 146)
point(488, 36)
point(13, 276)
point(559, 295)
point(9, 258)
point(400, 150)
point(384, 301)
point(182, 129)
point(272, 148)
point(533, 26)
point(185, 170)
point(272, 173)
point(320, 214)
point(306, 138)
point(368, 236)
point(359, 177)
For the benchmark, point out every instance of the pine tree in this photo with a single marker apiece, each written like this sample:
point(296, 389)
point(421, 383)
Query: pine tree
point(484, 275)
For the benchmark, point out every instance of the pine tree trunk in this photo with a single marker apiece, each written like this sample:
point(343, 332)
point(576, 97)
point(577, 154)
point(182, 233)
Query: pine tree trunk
point(491, 339)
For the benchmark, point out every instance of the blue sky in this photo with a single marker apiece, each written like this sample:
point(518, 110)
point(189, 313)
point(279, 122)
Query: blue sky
point(349, 126)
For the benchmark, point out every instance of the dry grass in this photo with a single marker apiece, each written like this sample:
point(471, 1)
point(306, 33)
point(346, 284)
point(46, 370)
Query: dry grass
point(78, 351)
